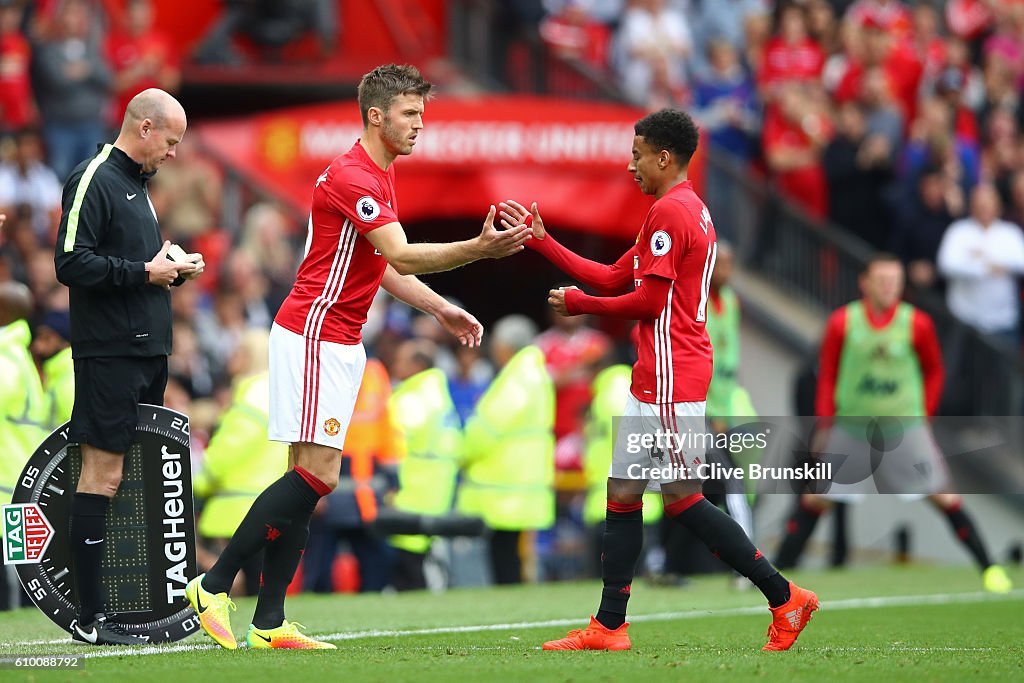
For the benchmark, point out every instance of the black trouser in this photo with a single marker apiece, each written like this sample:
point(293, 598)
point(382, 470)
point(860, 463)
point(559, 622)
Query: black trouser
point(408, 571)
point(373, 554)
point(12, 596)
point(506, 565)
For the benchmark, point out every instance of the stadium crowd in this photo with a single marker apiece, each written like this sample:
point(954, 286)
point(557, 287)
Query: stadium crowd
point(893, 120)
point(899, 122)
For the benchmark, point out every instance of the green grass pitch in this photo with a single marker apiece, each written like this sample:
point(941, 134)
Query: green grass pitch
point(908, 623)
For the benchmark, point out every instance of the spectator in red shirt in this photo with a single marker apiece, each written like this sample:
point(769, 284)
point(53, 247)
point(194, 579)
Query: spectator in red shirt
point(141, 56)
point(929, 45)
point(969, 20)
point(576, 35)
point(892, 16)
point(794, 138)
point(901, 66)
point(581, 41)
point(16, 108)
point(838, 63)
point(791, 55)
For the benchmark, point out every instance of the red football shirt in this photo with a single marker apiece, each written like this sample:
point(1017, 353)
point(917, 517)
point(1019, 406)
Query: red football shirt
point(892, 17)
point(903, 69)
point(341, 271)
point(807, 185)
point(968, 19)
point(124, 51)
point(674, 356)
point(784, 62)
point(15, 85)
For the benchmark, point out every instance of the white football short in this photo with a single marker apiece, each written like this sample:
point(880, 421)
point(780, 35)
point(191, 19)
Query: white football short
point(313, 388)
point(905, 461)
point(659, 443)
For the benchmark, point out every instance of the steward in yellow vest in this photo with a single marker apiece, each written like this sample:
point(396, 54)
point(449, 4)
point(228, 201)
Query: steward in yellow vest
point(509, 471)
point(240, 461)
point(22, 402)
point(423, 408)
point(51, 347)
point(22, 410)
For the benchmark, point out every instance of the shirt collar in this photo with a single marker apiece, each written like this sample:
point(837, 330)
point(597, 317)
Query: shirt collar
point(367, 159)
point(125, 162)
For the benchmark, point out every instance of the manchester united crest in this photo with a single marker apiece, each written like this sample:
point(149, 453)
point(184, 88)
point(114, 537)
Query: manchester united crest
point(332, 427)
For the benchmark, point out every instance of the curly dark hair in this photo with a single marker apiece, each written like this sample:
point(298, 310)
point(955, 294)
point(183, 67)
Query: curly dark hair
point(672, 130)
point(382, 85)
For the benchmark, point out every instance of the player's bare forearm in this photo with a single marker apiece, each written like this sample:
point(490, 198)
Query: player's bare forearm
point(457, 322)
point(419, 259)
point(416, 259)
point(411, 290)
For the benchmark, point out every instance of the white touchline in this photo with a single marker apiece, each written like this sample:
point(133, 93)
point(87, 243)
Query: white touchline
point(826, 606)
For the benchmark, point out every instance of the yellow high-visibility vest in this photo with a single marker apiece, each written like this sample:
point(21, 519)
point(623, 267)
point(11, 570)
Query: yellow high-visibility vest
point(423, 408)
point(509, 468)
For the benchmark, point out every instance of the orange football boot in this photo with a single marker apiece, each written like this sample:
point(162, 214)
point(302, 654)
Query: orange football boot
point(594, 637)
point(789, 619)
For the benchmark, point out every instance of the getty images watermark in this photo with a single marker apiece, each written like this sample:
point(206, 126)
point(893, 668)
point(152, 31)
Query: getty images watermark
point(838, 455)
point(677, 455)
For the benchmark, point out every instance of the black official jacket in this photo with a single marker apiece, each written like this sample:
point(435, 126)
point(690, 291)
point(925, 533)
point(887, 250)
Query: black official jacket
point(108, 231)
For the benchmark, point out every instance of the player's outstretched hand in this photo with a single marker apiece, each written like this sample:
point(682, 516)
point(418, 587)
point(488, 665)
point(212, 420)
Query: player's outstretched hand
point(461, 324)
point(163, 271)
point(556, 298)
point(514, 214)
point(501, 243)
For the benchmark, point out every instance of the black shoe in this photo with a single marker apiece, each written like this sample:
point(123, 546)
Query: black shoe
point(104, 632)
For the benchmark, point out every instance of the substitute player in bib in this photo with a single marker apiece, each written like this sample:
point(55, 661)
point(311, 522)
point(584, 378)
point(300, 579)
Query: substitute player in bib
point(880, 357)
point(355, 245)
point(669, 269)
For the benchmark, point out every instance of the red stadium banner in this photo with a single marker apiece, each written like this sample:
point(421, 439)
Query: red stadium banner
point(568, 155)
